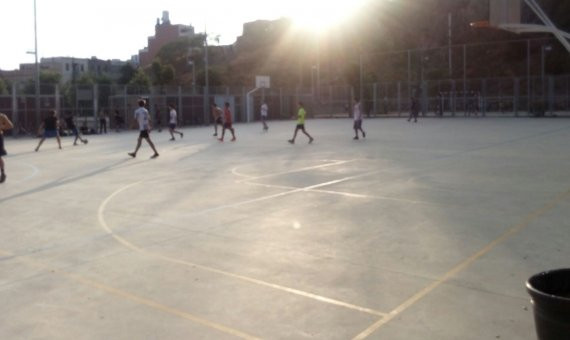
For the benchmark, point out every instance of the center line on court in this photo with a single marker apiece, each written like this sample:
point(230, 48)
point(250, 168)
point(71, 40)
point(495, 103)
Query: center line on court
point(298, 292)
point(251, 178)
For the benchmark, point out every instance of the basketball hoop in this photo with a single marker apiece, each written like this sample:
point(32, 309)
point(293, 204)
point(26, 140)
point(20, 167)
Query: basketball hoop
point(506, 15)
point(480, 24)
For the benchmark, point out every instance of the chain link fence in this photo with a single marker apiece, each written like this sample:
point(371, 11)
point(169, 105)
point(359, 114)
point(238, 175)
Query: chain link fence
point(115, 104)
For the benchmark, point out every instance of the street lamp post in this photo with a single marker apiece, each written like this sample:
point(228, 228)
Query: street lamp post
point(544, 49)
point(207, 81)
point(37, 82)
point(191, 63)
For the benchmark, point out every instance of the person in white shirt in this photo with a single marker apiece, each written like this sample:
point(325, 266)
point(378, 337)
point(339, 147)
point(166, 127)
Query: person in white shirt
point(172, 123)
point(264, 110)
point(143, 118)
point(357, 114)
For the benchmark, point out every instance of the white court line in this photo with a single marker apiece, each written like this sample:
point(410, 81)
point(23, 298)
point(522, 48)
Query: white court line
point(294, 170)
point(35, 172)
point(129, 245)
point(341, 193)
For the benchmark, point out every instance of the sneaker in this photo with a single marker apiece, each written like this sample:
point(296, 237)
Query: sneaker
point(311, 140)
point(215, 135)
point(154, 156)
point(85, 141)
point(233, 139)
point(355, 138)
point(171, 139)
point(74, 144)
point(132, 154)
point(2, 178)
point(363, 134)
point(181, 135)
point(291, 141)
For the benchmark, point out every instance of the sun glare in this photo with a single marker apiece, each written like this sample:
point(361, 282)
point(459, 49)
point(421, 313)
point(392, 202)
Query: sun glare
point(320, 15)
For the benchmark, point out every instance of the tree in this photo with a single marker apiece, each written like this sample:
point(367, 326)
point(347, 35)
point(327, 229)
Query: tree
point(141, 81)
point(49, 77)
point(3, 86)
point(161, 74)
point(86, 79)
point(214, 78)
point(127, 73)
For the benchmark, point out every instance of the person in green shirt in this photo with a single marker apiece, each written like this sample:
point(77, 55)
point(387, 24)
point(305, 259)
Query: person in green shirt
point(301, 124)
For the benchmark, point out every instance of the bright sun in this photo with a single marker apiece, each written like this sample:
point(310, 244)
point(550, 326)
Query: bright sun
point(320, 15)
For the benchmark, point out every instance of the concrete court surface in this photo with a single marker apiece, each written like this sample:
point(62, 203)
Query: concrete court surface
point(420, 231)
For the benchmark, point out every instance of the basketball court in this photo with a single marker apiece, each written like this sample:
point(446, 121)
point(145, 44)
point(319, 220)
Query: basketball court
point(419, 231)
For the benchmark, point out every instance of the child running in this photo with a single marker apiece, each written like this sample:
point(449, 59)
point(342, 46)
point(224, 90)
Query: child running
point(5, 124)
point(227, 123)
point(69, 122)
point(217, 113)
point(143, 118)
point(357, 115)
point(301, 124)
point(172, 124)
point(51, 129)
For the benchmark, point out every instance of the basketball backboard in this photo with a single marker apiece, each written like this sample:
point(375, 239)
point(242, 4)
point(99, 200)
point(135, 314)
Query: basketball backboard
point(262, 82)
point(507, 15)
point(504, 12)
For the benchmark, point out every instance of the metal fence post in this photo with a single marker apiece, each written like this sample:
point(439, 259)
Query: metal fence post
point(551, 95)
point(180, 109)
point(375, 98)
point(95, 101)
point(516, 94)
point(484, 90)
point(452, 96)
point(15, 116)
point(399, 98)
point(125, 104)
point(57, 101)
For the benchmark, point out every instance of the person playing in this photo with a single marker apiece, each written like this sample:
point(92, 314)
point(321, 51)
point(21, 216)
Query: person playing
point(217, 113)
point(70, 123)
point(143, 118)
point(118, 121)
point(172, 123)
point(5, 124)
point(51, 129)
point(414, 110)
point(102, 123)
point(301, 124)
point(264, 110)
point(227, 123)
point(357, 115)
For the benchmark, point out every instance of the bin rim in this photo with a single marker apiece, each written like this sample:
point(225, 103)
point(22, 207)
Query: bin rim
point(533, 290)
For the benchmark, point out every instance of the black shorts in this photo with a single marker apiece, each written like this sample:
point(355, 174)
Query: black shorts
point(2, 150)
point(300, 127)
point(144, 134)
point(227, 125)
point(358, 124)
point(219, 120)
point(172, 126)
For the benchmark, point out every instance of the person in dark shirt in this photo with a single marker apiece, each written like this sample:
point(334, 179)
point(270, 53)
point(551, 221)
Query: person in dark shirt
point(69, 122)
point(51, 129)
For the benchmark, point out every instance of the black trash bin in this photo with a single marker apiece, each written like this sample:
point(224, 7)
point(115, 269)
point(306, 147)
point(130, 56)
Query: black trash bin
point(550, 293)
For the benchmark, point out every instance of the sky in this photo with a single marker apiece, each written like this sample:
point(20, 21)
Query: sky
point(118, 29)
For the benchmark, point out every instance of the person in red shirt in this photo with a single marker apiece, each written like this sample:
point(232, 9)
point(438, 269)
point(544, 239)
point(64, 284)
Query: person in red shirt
point(227, 123)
